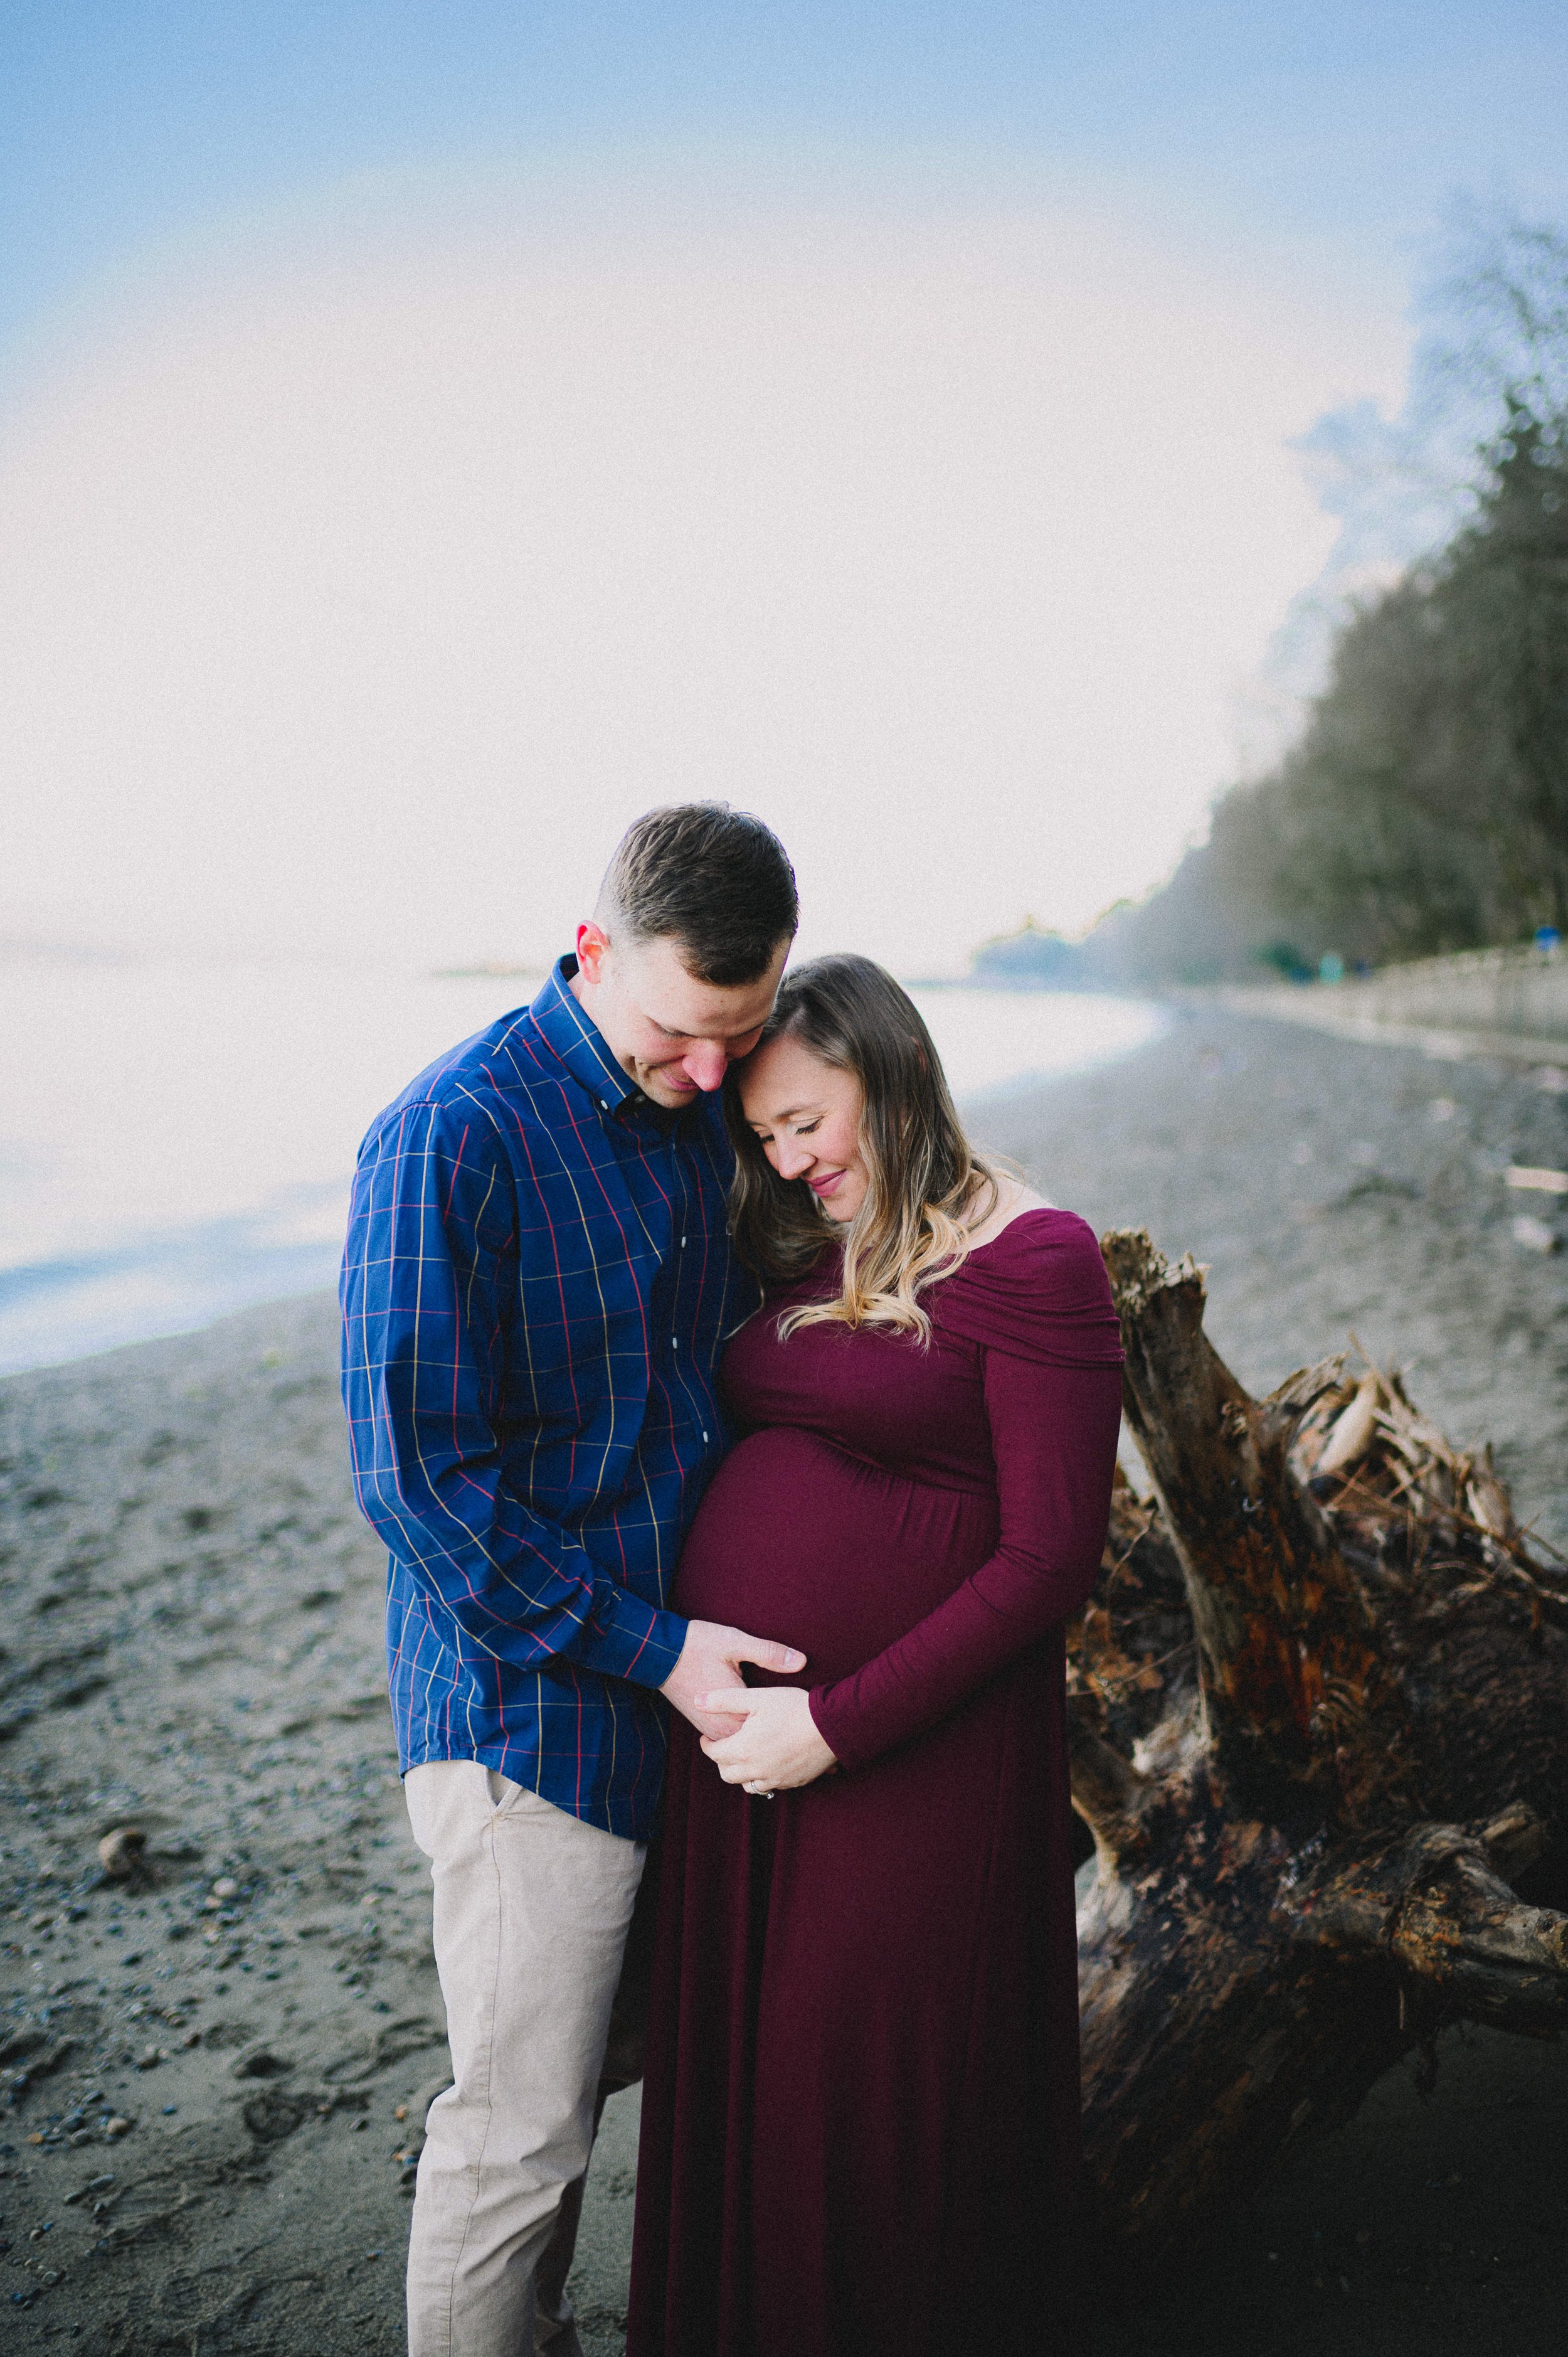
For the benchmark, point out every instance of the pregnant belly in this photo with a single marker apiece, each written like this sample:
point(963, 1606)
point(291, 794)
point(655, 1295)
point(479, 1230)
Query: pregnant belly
point(799, 1541)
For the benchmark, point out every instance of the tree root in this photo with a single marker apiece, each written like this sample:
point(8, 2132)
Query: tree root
point(1317, 1726)
point(1433, 1902)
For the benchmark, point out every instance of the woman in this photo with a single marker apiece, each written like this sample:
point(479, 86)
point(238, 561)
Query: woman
point(860, 2111)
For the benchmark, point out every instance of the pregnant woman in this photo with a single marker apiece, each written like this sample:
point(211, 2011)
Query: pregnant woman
point(860, 2112)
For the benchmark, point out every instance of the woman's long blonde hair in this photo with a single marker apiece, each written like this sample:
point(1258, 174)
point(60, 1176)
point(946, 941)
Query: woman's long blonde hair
point(927, 1182)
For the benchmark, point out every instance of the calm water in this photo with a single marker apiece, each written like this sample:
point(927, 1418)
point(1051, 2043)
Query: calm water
point(176, 1139)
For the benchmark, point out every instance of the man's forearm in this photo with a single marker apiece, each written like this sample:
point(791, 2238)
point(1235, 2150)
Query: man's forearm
point(510, 1583)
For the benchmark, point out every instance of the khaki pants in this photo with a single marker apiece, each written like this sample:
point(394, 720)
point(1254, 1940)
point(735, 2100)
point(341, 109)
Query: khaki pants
point(533, 1909)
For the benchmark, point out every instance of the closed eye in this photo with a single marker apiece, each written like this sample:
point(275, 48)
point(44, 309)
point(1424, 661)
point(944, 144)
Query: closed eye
point(800, 1129)
point(796, 1129)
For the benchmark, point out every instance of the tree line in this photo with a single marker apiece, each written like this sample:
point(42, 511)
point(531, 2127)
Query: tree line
point(1424, 806)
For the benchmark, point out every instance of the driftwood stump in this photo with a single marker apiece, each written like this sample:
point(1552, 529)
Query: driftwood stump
point(1319, 1723)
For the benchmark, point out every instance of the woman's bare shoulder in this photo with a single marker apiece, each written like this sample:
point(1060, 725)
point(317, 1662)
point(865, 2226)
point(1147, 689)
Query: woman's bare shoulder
point(1012, 1199)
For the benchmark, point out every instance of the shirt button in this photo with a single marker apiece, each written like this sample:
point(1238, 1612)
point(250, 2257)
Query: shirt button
point(675, 1343)
point(682, 1243)
point(704, 1436)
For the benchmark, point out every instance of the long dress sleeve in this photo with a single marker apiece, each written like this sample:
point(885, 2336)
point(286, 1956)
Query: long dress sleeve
point(865, 1999)
point(1053, 1396)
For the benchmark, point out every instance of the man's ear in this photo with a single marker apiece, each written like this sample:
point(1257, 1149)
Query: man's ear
point(592, 944)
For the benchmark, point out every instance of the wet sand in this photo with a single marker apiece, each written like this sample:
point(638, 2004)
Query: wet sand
point(192, 1645)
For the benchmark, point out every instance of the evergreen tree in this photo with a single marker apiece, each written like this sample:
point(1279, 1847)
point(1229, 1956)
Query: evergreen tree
point(1425, 807)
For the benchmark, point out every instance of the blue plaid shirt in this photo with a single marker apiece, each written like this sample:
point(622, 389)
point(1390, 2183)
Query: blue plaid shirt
point(537, 1287)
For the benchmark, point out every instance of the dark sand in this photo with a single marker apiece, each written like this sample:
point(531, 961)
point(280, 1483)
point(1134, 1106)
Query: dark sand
point(193, 1644)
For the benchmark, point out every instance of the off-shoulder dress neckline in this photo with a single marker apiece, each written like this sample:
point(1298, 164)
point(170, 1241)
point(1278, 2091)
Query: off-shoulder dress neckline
point(1031, 1212)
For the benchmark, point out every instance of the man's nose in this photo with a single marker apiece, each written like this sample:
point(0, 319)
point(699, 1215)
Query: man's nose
point(706, 1064)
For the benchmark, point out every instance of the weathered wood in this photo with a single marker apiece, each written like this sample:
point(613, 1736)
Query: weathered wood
point(1292, 1673)
point(1314, 1736)
point(1435, 1902)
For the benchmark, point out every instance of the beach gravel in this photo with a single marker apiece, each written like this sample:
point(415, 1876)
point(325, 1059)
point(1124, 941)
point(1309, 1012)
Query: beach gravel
point(217, 2039)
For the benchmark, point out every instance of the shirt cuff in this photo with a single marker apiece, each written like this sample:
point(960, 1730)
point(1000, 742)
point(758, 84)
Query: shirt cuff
point(629, 1639)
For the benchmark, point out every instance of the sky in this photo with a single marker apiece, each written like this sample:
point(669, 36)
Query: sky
point(429, 436)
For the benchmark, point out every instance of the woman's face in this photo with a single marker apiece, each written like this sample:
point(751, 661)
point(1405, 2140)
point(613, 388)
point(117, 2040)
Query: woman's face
point(807, 1115)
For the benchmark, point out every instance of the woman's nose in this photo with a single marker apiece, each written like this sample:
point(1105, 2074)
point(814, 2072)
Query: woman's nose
point(794, 1160)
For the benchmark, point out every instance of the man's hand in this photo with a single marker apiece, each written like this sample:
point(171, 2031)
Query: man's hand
point(709, 1652)
point(778, 1747)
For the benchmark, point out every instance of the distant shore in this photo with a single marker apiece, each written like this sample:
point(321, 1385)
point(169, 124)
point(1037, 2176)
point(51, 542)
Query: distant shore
point(270, 1078)
point(1509, 1003)
point(193, 1627)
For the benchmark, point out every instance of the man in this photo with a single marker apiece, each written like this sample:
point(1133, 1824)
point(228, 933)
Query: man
point(537, 1287)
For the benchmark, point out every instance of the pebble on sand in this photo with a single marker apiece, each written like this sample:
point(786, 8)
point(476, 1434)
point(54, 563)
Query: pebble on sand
point(120, 1852)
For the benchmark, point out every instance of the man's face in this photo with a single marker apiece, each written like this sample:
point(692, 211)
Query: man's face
point(674, 1036)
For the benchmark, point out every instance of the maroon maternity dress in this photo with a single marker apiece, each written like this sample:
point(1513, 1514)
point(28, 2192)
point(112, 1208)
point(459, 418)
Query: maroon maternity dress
point(860, 2110)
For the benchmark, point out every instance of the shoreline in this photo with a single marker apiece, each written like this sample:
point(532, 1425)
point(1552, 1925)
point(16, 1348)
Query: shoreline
point(1509, 1000)
point(194, 1647)
point(103, 1255)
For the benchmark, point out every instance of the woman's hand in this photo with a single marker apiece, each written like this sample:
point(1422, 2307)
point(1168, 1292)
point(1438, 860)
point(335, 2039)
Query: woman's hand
point(776, 1747)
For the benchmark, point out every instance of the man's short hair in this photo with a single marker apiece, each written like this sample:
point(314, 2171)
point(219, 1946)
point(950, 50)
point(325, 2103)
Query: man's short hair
point(713, 880)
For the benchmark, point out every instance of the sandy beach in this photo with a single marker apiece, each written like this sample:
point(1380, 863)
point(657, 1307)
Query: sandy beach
point(214, 2071)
